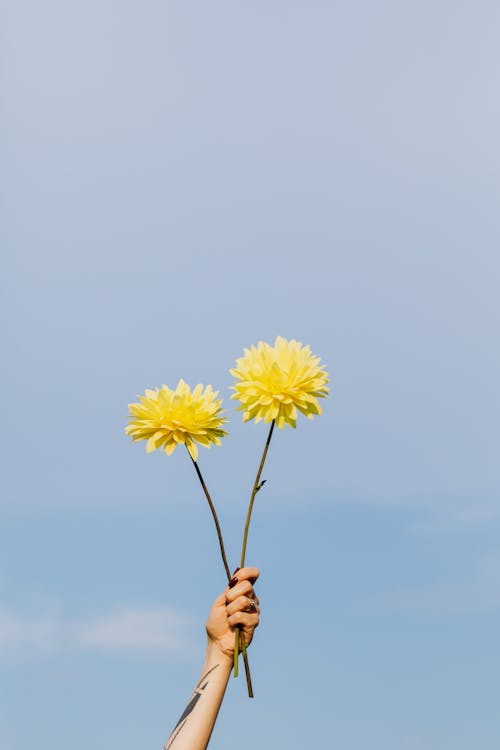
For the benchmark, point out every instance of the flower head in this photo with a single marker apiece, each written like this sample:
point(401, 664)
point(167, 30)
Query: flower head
point(274, 381)
point(166, 418)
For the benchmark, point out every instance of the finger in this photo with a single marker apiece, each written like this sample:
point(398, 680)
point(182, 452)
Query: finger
point(248, 573)
point(247, 620)
point(244, 588)
point(242, 604)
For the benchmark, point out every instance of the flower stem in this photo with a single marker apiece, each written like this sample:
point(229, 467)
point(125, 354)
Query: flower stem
point(254, 492)
point(239, 642)
point(214, 514)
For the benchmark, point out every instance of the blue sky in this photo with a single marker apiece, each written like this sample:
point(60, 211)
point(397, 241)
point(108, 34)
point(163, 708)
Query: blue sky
point(180, 180)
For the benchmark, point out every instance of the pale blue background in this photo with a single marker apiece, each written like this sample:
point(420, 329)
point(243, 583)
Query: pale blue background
point(180, 180)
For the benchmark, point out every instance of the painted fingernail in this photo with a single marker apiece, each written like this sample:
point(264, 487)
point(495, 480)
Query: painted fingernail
point(235, 571)
point(233, 582)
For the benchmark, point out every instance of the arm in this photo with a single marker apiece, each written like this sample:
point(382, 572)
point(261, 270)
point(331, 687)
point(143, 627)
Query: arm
point(237, 605)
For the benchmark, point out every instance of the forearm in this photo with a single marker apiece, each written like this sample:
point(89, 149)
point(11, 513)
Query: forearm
point(193, 730)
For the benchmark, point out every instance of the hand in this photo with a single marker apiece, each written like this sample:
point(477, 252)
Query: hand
point(237, 605)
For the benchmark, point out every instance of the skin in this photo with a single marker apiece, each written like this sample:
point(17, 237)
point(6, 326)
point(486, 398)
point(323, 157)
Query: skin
point(229, 610)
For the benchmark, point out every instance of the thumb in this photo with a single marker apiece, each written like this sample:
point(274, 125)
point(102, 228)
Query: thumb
point(221, 600)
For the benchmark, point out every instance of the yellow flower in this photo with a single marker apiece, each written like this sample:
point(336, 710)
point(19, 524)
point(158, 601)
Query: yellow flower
point(166, 418)
point(275, 381)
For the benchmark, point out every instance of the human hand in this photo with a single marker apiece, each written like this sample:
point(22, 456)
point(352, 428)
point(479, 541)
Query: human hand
point(236, 606)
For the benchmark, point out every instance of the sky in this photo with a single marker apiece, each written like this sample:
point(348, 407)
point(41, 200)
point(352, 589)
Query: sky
point(180, 180)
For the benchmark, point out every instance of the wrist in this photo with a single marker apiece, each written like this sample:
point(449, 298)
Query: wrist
point(216, 655)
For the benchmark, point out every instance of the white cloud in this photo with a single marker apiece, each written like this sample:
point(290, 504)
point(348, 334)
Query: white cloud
point(477, 592)
point(133, 629)
point(157, 630)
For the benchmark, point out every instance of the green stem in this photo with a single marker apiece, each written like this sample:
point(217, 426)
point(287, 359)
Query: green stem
point(228, 574)
point(254, 492)
point(239, 642)
point(240, 645)
point(247, 665)
point(236, 651)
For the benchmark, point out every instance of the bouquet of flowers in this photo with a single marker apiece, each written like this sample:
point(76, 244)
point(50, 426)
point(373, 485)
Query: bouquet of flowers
point(272, 384)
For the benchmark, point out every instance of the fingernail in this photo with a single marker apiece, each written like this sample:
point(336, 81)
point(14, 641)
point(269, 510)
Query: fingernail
point(233, 582)
point(235, 571)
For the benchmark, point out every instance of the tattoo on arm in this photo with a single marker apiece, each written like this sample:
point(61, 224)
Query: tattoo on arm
point(204, 677)
point(198, 691)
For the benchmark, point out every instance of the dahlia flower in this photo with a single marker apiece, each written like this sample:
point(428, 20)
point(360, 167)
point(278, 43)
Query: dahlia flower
point(166, 418)
point(273, 382)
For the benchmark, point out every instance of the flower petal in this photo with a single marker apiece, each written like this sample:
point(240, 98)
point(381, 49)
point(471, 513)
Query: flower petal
point(273, 382)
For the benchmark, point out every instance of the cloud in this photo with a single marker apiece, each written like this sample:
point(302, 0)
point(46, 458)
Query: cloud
point(472, 594)
point(158, 630)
